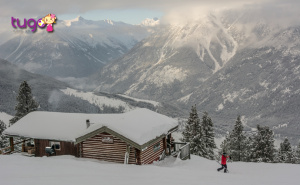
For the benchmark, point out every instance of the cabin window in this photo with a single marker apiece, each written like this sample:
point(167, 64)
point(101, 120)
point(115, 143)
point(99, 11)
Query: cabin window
point(56, 145)
point(156, 147)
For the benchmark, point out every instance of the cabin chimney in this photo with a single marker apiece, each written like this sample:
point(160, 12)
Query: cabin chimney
point(88, 123)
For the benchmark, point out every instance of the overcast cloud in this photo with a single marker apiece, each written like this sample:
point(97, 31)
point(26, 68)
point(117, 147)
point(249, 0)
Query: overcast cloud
point(29, 7)
point(173, 9)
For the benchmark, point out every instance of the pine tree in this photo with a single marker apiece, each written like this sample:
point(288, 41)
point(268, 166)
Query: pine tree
point(292, 156)
point(209, 135)
point(278, 156)
point(297, 154)
point(225, 145)
point(286, 153)
point(26, 103)
point(248, 149)
point(263, 145)
point(197, 143)
point(194, 135)
point(285, 147)
point(188, 131)
point(237, 141)
point(4, 142)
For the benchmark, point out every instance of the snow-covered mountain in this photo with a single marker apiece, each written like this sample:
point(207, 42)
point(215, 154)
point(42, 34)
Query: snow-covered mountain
point(54, 95)
point(228, 62)
point(151, 25)
point(45, 90)
point(76, 48)
point(150, 22)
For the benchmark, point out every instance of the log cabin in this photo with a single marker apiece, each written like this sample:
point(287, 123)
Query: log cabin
point(137, 137)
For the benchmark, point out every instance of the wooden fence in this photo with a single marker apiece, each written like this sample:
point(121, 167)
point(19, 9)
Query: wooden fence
point(11, 148)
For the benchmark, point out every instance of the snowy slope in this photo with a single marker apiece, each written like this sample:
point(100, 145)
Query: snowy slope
point(45, 91)
point(77, 171)
point(141, 100)
point(57, 96)
point(5, 117)
point(99, 101)
point(103, 100)
point(118, 103)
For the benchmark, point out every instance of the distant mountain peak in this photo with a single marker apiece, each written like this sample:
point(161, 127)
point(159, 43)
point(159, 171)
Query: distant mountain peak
point(69, 22)
point(150, 22)
point(109, 21)
point(78, 18)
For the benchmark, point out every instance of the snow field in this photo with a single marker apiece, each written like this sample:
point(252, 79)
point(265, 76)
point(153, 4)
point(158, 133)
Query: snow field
point(98, 100)
point(154, 103)
point(18, 169)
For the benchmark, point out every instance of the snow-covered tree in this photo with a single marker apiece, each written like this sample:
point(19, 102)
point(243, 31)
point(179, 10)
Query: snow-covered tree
point(286, 153)
point(297, 154)
point(225, 145)
point(263, 145)
point(237, 141)
point(292, 156)
point(194, 135)
point(208, 135)
point(188, 130)
point(26, 103)
point(4, 142)
point(278, 156)
point(285, 148)
point(248, 143)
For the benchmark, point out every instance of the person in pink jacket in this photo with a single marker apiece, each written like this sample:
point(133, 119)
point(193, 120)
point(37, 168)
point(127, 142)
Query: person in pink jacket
point(49, 20)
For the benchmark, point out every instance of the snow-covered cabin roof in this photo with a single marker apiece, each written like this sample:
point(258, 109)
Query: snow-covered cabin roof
point(139, 125)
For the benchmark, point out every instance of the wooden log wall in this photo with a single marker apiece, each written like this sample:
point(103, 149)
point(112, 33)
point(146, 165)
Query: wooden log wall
point(148, 155)
point(66, 148)
point(112, 152)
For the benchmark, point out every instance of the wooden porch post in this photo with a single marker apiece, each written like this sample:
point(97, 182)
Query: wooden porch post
point(165, 144)
point(11, 139)
point(138, 157)
point(23, 146)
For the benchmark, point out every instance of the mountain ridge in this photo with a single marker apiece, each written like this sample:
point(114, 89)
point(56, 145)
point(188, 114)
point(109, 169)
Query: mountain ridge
point(76, 48)
point(229, 62)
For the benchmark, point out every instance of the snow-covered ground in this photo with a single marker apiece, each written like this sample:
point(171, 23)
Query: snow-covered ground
point(98, 100)
point(155, 103)
point(5, 117)
point(18, 169)
point(103, 100)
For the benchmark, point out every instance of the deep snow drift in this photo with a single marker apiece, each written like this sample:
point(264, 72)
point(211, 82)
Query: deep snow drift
point(18, 169)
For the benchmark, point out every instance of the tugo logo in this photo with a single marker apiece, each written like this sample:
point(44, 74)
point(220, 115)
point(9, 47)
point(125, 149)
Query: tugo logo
point(48, 19)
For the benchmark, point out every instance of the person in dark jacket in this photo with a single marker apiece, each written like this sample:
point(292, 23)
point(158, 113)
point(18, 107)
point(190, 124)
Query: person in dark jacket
point(53, 148)
point(223, 162)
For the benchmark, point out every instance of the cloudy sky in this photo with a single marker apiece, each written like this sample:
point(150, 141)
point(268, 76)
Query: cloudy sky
point(129, 11)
